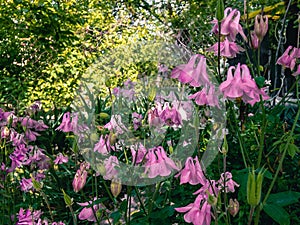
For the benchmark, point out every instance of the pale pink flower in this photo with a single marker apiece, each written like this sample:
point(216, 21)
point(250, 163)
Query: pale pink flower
point(116, 125)
point(26, 184)
point(228, 49)
point(103, 145)
point(260, 26)
point(60, 159)
point(88, 213)
point(170, 116)
point(80, 177)
point(254, 40)
point(192, 74)
point(207, 96)
point(111, 164)
point(138, 153)
point(242, 85)
point(158, 163)
point(229, 183)
point(198, 213)
point(66, 124)
point(289, 57)
point(192, 172)
point(230, 25)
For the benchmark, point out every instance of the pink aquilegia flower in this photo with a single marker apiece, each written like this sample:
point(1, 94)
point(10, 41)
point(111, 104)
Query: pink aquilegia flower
point(116, 125)
point(241, 85)
point(158, 163)
point(230, 25)
point(289, 58)
point(26, 184)
point(228, 49)
point(170, 116)
point(88, 213)
point(66, 124)
point(60, 159)
point(198, 213)
point(111, 164)
point(103, 145)
point(80, 177)
point(138, 153)
point(27, 217)
point(254, 40)
point(192, 172)
point(207, 96)
point(137, 120)
point(226, 179)
point(192, 74)
point(260, 26)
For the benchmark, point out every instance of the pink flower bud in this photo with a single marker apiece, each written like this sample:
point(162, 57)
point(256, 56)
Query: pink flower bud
point(115, 188)
point(261, 26)
point(233, 207)
point(79, 180)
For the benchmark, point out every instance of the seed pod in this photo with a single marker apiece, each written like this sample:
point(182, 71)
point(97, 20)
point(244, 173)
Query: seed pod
point(254, 186)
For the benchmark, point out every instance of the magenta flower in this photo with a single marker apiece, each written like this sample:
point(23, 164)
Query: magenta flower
point(260, 26)
point(60, 159)
point(228, 49)
point(26, 184)
point(31, 135)
point(206, 97)
point(297, 72)
point(87, 213)
point(229, 183)
point(242, 85)
point(198, 212)
point(192, 74)
point(192, 172)
point(230, 25)
point(25, 217)
point(289, 57)
point(158, 163)
point(80, 177)
point(153, 117)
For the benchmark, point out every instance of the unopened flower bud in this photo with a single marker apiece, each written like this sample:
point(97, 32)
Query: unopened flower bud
point(254, 40)
point(5, 132)
point(212, 200)
point(261, 26)
point(79, 180)
point(233, 207)
point(112, 138)
point(115, 188)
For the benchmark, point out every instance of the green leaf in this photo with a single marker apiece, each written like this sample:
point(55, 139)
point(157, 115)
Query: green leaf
point(163, 213)
point(260, 81)
point(284, 198)
point(292, 149)
point(277, 213)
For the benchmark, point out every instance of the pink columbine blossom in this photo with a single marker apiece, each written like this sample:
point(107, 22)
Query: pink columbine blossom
point(289, 57)
point(88, 213)
point(192, 172)
point(170, 116)
point(111, 164)
point(60, 159)
point(192, 74)
point(26, 184)
point(137, 120)
point(80, 177)
point(103, 145)
point(138, 153)
point(261, 26)
point(230, 25)
point(242, 85)
point(153, 117)
point(228, 49)
point(66, 124)
point(158, 163)
point(31, 135)
point(226, 179)
point(297, 72)
point(116, 125)
point(198, 213)
point(254, 40)
point(207, 96)
point(27, 217)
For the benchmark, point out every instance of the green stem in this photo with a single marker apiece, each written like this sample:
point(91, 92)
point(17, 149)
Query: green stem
point(150, 207)
point(262, 133)
point(251, 215)
point(140, 200)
